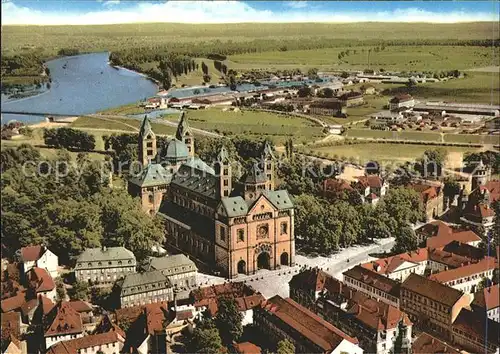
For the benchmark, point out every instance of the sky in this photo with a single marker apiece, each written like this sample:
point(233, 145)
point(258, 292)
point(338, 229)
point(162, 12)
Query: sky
point(89, 12)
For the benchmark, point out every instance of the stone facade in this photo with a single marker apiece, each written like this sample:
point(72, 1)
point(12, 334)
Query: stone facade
point(236, 227)
point(144, 288)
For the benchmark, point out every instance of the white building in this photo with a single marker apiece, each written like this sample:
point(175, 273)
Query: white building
point(144, 288)
point(38, 256)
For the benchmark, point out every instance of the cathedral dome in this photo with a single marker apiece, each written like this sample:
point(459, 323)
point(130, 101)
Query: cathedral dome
point(176, 151)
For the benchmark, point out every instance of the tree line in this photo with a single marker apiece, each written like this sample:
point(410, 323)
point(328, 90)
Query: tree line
point(69, 138)
point(68, 207)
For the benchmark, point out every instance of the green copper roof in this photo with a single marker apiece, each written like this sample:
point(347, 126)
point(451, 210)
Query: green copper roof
point(280, 199)
point(199, 164)
point(174, 263)
point(145, 127)
point(95, 255)
point(176, 150)
point(135, 283)
point(153, 175)
point(234, 206)
point(254, 175)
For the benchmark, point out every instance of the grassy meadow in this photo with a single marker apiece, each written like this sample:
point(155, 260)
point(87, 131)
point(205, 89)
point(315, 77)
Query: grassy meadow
point(381, 152)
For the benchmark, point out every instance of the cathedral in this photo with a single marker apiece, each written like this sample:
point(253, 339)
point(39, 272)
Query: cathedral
point(236, 226)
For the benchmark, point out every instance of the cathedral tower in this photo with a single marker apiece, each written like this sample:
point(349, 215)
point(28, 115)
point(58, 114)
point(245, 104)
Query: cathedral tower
point(185, 134)
point(268, 168)
point(147, 143)
point(224, 173)
point(480, 175)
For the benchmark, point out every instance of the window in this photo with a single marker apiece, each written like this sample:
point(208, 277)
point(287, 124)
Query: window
point(150, 144)
point(226, 182)
point(226, 193)
point(284, 228)
point(151, 198)
point(241, 235)
point(222, 232)
point(226, 172)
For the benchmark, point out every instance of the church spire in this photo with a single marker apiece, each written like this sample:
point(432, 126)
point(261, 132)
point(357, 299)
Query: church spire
point(185, 134)
point(147, 142)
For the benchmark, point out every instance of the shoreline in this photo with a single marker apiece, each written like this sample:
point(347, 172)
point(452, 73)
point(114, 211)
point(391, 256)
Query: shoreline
point(136, 72)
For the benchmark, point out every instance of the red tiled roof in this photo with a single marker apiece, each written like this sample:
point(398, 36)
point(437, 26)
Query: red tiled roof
point(427, 344)
point(28, 306)
point(156, 315)
point(439, 234)
point(65, 320)
point(450, 259)
point(493, 188)
point(308, 324)
point(247, 348)
point(128, 314)
point(375, 314)
point(387, 265)
point(310, 279)
point(401, 98)
point(106, 325)
point(336, 186)
point(40, 280)
point(426, 192)
point(14, 302)
point(488, 263)
point(489, 298)
point(376, 280)
point(73, 346)
point(207, 296)
point(372, 181)
point(477, 326)
point(31, 253)
point(431, 289)
point(80, 306)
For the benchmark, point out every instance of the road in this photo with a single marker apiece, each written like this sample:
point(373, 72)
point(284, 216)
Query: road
point(275, 282)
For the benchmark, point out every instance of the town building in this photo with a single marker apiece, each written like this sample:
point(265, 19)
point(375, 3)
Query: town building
point(137, 289)
point(247, 299)
point(426, 343)
point(458, 108)
point(42, 283)
point(375, 323)
point(487, 300)
point(38, 256)
point(63, 323)
point(477, 207)
point(327, 107)
point(12, 334)
point(104, 265)
point(237, 229)
point(103, 343)
point(432, 305)
point(399, 267)
point(475, 332)
point(467, 277)
point(432, 198)
point(336, 188)
point(404, 101)
point(388, 117)
point(373, 284)
point(280, 319)
point(371, 188)
point(437, 234)
point(352, 99)
point(180, 270)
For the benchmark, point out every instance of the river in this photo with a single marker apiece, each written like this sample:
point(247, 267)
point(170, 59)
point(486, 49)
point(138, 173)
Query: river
point(82, 84)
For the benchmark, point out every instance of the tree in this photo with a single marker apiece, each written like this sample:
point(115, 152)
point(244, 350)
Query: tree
point(305, 91)
point(406, 240)
point(495, 279)
point(483, 284)
point(450, 190)
point(205, 341)
point(402, 204)
point(399, 342)
point(79, 291)
point(228, 320)
point(326, 93)
point(312, 73)
point(285, 347)
point(204, 68)
point(60, 292)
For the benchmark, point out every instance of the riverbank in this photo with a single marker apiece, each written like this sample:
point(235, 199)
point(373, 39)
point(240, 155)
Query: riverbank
point(158, 83)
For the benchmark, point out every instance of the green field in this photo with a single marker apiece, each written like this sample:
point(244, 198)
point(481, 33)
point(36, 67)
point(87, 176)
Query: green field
point(406, 58)
point(250, 123)
point(118, 124)
point(380, 152)
point(112, 37)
